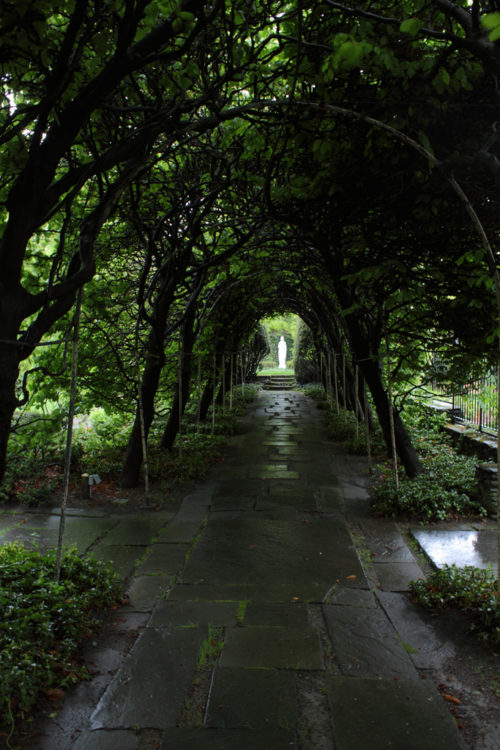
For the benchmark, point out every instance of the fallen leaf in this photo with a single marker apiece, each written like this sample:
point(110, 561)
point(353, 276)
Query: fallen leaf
point(54, 694)
point(451, 699)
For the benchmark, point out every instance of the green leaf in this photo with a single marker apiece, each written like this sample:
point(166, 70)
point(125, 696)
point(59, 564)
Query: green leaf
point(491, 22)
point(239, 18)
point(411, 26)
point(350, 54)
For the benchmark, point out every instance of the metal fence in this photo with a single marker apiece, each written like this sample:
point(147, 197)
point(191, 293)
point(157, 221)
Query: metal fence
point(475, 404)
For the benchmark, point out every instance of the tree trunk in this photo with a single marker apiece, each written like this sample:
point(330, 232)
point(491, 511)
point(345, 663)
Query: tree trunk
point(208, 392)
point(363, 337)
point(9, 371)
point(224, 382)
point(155, 360)
point(404, 447)
point(177, 410)
point(206, 399)
point(133, 457)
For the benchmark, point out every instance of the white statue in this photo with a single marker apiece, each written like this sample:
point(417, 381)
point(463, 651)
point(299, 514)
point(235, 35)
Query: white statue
point(282, 353)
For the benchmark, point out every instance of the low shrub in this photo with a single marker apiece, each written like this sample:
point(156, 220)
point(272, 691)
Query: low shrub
point(342, 426)
point(470, 589)
point(444, 490)
point(99, 446)
point(43, 622)
point(314, 390)
point(30, 481)
point(199, 452)
point(425, 424)
point(422, 497)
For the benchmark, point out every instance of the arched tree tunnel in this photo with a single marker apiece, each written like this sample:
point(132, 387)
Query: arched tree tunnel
point(198, 167)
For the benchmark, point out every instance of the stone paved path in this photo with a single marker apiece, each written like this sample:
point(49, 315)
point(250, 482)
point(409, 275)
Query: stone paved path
point(263, 560)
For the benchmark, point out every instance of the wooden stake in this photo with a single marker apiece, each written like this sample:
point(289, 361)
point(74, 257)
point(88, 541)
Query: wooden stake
point(329, 395)
point(180, 398)
point(231, 384)
point(391, 413)
point(345, 387)
point(242, 375)
point(367, 427)
point(336, 382)
point(69, 432)
point(214, 396)
point(198, 415)
point(223, 384)
point(356, 397)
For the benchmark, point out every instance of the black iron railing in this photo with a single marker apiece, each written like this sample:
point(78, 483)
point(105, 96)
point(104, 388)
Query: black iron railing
point(475, 404)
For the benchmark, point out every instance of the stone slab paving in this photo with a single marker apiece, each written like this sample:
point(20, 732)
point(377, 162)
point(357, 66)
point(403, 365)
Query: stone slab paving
point(163, 559)
point(272, 648)
point(384, 541)
point(228, 739)
point(233, 488)
point(283, 614)
point(150, 689)
point(266, 591)
point(42, 530)
point(131, 531)
point(299, 501)
point(108, 740)
point(351, 597)
point(366, 645)
point(189, 614)
point(144, 591)
point(397, 576)
point(178, 532)
point(330, 499)
point(226, 502)
point(8, 522)
point(123, 558)
point(427, 648)
point(252, 699)
point(382, 714)
point(248, 550)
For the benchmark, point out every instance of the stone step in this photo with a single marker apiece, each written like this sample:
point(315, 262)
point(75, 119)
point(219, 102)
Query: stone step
point(279, 383)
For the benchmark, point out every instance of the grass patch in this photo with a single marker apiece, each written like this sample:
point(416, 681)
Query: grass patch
point(208, 655)
point(42, 624)
point(211, 648)
point(268, 371)
point(241, 611)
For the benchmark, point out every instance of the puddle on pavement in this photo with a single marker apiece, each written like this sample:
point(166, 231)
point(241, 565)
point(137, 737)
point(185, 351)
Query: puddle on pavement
point(461, 548)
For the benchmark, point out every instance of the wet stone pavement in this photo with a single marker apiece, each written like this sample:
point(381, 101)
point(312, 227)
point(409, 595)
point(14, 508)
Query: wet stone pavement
point(266, 555)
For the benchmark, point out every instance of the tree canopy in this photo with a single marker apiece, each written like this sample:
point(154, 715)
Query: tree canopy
point(197, 166)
